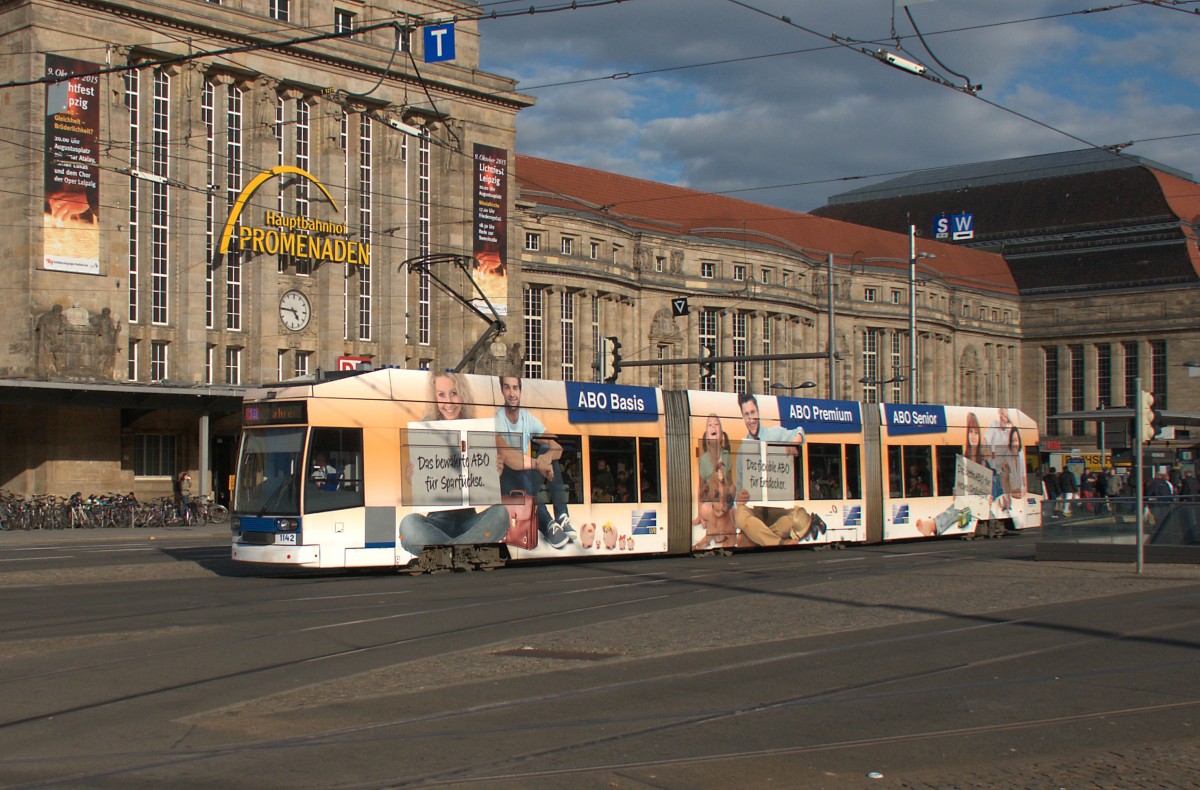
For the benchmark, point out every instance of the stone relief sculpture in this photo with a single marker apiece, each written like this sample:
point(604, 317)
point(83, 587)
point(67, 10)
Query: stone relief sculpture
point(74, 344)
point(663, 329)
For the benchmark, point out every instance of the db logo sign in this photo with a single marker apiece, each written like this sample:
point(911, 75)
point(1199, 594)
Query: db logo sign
point(350, 363)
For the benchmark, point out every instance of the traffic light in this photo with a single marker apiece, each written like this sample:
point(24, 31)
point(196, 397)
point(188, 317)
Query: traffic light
point(1149, 420)
point(612, 359)
point(707, 369)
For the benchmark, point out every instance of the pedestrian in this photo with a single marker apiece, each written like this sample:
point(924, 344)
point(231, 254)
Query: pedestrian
point(1190, 487)
point(1069, 487)
point(183, 491)
point(1053, 492)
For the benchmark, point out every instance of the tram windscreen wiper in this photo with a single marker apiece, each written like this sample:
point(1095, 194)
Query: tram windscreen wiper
point(286, 485)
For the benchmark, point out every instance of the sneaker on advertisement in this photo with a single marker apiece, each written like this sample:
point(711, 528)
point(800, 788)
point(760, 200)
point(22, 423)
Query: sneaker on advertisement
point(564, 523)
point(556, 537)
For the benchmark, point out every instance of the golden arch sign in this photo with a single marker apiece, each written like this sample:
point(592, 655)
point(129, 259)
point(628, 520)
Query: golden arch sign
point(290, 235)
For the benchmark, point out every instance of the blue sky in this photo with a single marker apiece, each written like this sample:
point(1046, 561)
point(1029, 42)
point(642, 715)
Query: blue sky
point(823, 117)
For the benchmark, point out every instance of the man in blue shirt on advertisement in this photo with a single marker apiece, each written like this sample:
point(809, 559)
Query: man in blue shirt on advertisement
point(517, 429)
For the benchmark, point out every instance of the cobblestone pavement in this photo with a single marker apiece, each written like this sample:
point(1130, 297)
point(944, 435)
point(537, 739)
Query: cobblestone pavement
point(1165, 765)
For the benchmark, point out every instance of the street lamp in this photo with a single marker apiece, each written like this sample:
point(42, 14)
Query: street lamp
point(872, 382)
point(912, 310)
point(792, 388)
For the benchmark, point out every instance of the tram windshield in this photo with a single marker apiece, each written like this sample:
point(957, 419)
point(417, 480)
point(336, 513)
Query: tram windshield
point(268, 477)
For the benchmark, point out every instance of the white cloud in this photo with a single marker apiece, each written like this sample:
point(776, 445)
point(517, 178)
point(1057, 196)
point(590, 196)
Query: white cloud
point(833, 113)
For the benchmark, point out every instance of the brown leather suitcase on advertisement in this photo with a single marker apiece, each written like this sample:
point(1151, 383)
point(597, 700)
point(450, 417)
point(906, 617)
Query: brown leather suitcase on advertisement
point(522, 520)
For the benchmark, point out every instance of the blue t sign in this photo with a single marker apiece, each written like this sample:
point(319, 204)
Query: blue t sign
point(439, 43)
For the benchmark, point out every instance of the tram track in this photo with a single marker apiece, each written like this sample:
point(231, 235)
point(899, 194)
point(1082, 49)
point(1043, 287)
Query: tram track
point(788, 576)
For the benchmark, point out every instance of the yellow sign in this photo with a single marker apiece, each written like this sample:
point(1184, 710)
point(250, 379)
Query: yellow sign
point(289, 235)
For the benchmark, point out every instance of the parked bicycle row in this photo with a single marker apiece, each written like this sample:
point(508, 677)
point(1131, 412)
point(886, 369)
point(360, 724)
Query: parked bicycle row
point(45, 511)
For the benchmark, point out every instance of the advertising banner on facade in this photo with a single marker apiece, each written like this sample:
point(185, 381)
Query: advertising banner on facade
point(490, 267)
point(71, 241)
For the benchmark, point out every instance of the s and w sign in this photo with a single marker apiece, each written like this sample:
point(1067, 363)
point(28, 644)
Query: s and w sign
point(957, 227)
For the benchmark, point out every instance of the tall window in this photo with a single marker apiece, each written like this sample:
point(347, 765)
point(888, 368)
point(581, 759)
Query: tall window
point(301, 185)
point(767, 366)
point(366, 181)
point(160, 208)
point(210, 202)
point(133, 360)
point(1051, 395)
point(739, 350)
point(1104, 375)
point(282, 259)
point(663, 352)
point(1158, 372)
point(302, 360)
point(533, 241)
point(598, 349)
point(233, 186)
point(210, 351)
point(279, 9)
point(132, 99)
point(709, 324)
point(534, 337)
point(343, 20)
point(233, 366)
point(567, 245)
point(1077, 401)
point(567, 332)
point(1130, 352)
point(159, 368)
point(708, 269)
point(870, 361)
point(897, 366)
point(281, 358)
point(425, 304)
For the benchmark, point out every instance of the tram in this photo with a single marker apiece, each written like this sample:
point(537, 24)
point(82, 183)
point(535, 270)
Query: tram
point(422, 471)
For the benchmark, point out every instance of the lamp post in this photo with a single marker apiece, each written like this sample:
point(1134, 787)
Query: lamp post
point(871, 382)
point(792, 388)
point(912, 311)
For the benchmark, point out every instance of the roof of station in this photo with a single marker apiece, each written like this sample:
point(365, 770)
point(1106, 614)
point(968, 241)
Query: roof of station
point(665, 210)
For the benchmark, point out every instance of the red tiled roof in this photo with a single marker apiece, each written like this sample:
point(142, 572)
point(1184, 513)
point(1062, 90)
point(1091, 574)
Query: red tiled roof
point(1183, 197)
point(665, 209)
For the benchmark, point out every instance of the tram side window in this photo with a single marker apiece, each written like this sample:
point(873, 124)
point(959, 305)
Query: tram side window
point(947, 468)
point(825, 471)
point(649, 488)
point(918, 460)
point(564, 469)
point(335, 470)
point(798, 475)
point(613, 472)
point(570, 465)
point(895, 468)
point(853, 472)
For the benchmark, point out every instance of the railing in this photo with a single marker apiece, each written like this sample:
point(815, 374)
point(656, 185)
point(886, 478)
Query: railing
point(1167, 521)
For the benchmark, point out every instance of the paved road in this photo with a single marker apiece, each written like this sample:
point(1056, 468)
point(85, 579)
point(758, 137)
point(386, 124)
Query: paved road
point(126, 661)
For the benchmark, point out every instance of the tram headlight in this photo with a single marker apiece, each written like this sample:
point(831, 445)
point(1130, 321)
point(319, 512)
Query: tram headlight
point(287, 524)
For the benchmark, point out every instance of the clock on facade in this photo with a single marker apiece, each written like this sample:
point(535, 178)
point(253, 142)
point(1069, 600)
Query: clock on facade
point(294, 310)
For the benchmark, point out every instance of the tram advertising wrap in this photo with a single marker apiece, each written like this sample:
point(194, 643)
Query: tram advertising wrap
point(946, 468)
point(430, 470)
point(775, 471)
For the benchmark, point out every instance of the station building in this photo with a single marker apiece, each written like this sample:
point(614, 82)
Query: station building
point(213, 196)
point(1104, 249)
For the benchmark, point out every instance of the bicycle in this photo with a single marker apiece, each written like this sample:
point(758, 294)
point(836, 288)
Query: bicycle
point(210, 511)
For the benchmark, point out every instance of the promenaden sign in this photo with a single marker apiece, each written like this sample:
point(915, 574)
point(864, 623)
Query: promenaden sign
point(291, 235)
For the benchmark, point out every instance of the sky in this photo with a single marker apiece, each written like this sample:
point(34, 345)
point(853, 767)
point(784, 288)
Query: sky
point(789, 117)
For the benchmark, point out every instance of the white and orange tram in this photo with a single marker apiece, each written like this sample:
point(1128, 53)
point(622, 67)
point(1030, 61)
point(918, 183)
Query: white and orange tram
point(427, 470)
